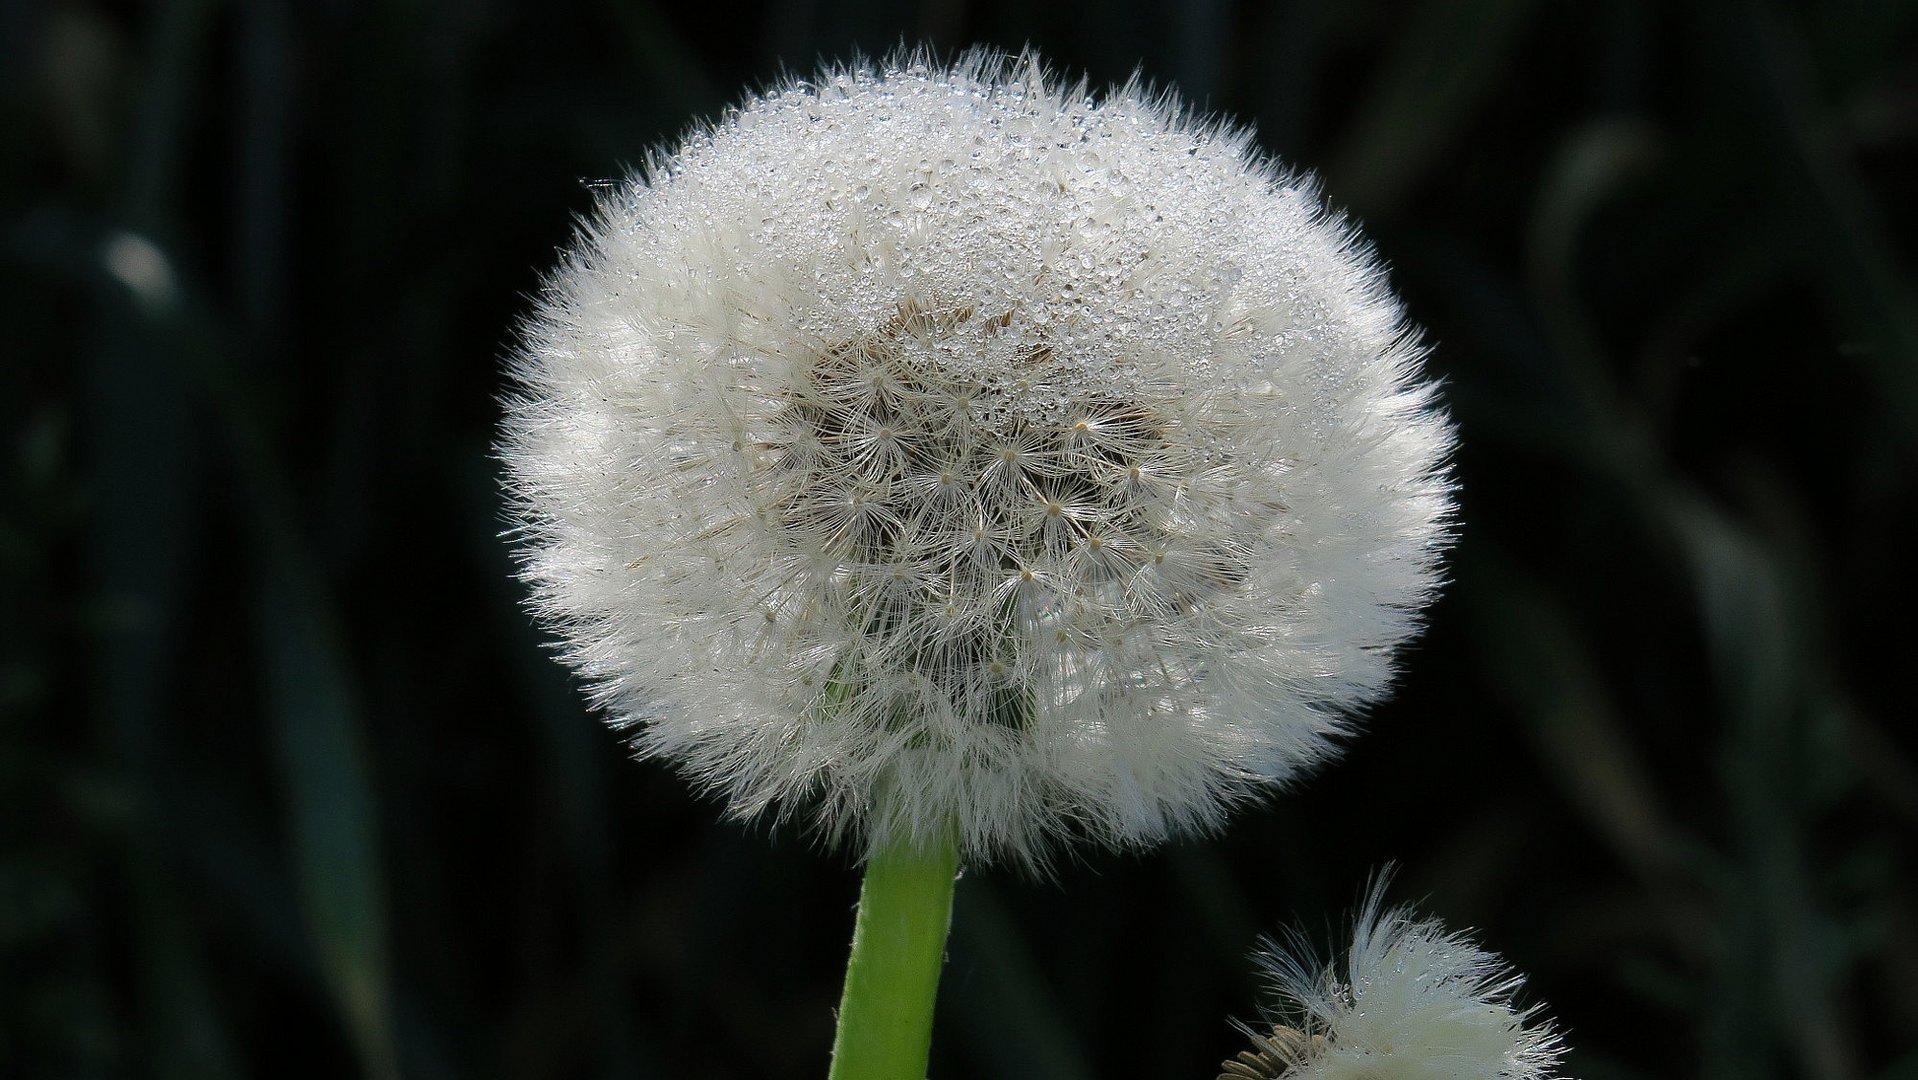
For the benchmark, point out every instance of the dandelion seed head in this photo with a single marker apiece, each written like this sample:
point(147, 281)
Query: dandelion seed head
point(1411, 1001)
point(933, 447)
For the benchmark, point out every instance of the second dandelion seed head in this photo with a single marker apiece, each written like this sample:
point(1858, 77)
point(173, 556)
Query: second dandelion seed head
point(1411, 1000)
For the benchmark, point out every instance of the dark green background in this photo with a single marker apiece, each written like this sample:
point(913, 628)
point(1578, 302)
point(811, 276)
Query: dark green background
point(289, 788)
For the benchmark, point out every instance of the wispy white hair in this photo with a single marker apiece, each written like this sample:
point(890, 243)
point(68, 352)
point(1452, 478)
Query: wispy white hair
point(1411, 1001)
point(935, 449)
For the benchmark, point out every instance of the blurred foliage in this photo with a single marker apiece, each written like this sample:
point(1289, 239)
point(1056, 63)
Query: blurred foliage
point(289, 787)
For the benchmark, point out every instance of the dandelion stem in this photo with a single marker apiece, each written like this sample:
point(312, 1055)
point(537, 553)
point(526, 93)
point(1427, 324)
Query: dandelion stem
point(892, 977)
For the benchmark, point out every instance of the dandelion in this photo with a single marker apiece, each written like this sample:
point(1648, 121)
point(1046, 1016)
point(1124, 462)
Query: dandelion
point(936, 448)
point(1414, 1001)
point(956, 463)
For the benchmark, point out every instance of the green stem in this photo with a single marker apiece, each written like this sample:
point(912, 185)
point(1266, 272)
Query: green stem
point(892, 977)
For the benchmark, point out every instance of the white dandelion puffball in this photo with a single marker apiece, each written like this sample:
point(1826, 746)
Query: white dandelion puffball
point(1414, 1001)
point(933, 451)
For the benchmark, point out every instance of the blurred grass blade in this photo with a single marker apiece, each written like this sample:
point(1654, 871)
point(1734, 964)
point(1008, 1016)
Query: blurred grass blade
point(1593, 165)
point(1012, 1022)
point(1546, 674)
point(329, 798)
point(1865, 279)
point(1781, 941)
point(314, 714)
point(1446, 56)
point(143, 450)
point(142, 445)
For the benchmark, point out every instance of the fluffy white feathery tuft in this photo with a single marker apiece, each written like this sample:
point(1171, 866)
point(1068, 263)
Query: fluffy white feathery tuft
point(933, 448)
point(1415, 1001)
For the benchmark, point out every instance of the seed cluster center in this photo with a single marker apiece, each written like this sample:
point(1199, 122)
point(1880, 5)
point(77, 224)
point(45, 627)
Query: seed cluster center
point(966, 540)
